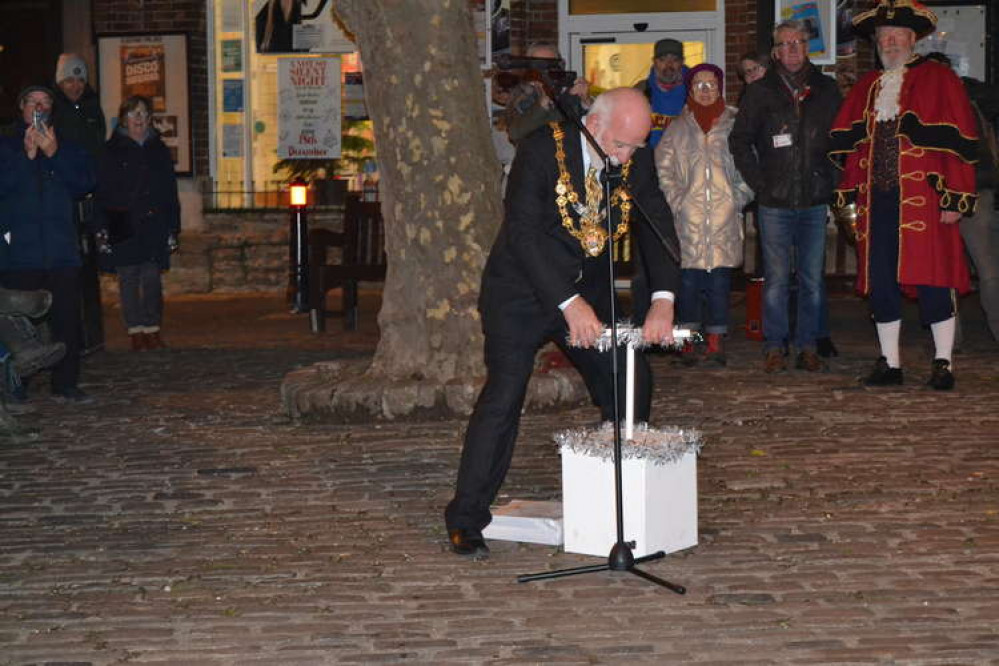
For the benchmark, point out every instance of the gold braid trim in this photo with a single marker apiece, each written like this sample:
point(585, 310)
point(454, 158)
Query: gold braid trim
point(591, 234)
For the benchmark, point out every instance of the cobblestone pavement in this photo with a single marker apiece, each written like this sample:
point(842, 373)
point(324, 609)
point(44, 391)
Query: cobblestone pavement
point(182, 519)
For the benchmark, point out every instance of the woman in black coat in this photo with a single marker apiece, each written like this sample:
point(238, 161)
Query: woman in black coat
point(139, 218)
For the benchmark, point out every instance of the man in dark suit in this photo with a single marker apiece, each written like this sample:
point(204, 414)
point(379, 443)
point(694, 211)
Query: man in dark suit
point(546, 279)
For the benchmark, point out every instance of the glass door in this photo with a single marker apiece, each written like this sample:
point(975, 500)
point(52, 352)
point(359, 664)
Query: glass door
point(612, 60)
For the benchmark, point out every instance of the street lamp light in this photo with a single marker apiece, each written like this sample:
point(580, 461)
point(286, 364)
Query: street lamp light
point(298, 247)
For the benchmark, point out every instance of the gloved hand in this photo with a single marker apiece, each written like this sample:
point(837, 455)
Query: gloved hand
point(172, 243)
point(101, 239)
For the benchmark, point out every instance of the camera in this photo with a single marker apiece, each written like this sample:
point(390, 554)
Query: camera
point(561, 79)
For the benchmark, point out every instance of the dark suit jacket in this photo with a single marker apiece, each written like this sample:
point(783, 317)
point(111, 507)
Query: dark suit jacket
point(535, 264)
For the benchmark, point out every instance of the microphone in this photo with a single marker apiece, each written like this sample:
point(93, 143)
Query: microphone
point(507, 61)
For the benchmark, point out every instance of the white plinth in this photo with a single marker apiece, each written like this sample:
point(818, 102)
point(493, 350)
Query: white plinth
point(660, 504)
point(527, 521)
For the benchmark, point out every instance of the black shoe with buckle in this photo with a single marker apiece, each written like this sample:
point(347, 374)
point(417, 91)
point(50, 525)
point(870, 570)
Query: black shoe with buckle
point(468, 543)
point(941, 378)
point(882, 375)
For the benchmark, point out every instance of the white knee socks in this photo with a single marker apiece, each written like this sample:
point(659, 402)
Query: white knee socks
point(888, 333)
point(943, 338)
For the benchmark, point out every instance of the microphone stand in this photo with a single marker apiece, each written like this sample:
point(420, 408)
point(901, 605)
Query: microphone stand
point(621, 557)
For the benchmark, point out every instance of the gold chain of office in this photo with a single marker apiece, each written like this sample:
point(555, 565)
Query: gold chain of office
point(591, 234)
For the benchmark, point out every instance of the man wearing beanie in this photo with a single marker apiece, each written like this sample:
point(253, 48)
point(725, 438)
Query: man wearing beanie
point(77, 113)
point(42, 174)
point(664, 86)
point(779, 142)
point(77, 117)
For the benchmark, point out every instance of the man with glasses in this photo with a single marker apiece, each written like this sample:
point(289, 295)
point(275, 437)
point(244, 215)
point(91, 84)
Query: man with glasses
point(779, 141)
point(908, 142)
point(41, 176)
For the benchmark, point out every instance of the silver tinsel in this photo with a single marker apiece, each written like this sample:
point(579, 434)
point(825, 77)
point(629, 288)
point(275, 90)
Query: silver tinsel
point(661, 446)
point(631, 336)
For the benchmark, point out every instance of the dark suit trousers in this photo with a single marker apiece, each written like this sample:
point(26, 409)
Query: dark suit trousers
point(63, 317)
point(510, 349)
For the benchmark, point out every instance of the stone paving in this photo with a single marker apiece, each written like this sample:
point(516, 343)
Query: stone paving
point(183, 519)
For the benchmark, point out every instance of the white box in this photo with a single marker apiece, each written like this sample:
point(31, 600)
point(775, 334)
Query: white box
point(660, 503)
point(528, 521)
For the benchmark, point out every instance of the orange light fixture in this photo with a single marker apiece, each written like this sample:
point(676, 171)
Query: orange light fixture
point(299, 194)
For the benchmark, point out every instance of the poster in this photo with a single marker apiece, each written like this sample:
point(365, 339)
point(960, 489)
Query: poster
point(232, 55)
point(232, 95)
point(808, 14)
point(232, 140)
point(298, 26)
point(143, 72)
point(153, 65)
point(308, 108)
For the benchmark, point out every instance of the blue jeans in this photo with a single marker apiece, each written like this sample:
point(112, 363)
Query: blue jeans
point(699, 288)
point(798, 235)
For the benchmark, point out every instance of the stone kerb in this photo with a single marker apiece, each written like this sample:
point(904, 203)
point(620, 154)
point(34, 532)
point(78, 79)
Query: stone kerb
point(342, 392)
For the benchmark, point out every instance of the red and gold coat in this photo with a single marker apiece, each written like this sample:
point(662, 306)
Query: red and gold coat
point(937, 153)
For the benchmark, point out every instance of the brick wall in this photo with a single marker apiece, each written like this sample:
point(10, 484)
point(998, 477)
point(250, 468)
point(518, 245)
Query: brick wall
point(188, 16)
point(532, 21)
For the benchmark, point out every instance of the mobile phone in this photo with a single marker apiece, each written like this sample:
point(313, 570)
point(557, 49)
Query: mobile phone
point(38, 119)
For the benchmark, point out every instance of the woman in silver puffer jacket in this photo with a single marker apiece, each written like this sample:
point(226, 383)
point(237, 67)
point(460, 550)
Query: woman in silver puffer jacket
point(706, 194)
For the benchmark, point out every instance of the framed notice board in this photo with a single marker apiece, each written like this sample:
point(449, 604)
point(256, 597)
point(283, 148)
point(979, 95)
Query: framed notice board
point(153, 65)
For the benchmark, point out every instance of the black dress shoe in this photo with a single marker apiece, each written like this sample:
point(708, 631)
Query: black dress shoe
point(882, 375)
point(468, 543)
point(941, 378)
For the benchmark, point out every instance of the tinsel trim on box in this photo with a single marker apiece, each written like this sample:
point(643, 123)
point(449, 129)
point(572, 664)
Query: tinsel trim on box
point(631, 336)
point(660, 446)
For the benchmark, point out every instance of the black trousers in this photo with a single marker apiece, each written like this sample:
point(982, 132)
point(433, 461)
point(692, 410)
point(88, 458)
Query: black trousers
point(492, 429)
point(63, 317)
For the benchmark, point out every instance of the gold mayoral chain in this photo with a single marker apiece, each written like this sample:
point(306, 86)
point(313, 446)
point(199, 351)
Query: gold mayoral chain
point(591, 233)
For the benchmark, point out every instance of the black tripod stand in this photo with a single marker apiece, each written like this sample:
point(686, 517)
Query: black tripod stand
point(620, 557)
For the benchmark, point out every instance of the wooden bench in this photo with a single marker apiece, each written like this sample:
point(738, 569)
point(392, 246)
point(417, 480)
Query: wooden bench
point(361, 247)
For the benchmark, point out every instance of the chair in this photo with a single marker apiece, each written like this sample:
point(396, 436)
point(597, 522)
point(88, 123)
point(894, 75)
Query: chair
point(362, 257)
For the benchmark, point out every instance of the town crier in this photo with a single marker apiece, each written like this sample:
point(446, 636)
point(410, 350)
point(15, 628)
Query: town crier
point(906, 140)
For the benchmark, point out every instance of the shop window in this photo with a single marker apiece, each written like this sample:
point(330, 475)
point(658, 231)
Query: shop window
point(251, 38)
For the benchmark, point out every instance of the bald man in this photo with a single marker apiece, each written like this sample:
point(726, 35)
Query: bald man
point(546, 280)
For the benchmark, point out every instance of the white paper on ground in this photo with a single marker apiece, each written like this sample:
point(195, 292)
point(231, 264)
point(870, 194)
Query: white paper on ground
point(528, 521)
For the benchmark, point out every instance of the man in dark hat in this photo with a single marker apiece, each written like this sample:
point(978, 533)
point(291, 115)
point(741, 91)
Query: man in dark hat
point(906, 141)
point(664, 87)
point(41, 176)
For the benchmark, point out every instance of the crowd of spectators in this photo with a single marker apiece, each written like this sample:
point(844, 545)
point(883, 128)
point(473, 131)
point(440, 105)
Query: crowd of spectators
point(784, 159)
point(62, 181)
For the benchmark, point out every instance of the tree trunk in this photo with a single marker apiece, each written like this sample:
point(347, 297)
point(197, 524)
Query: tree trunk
point(439, 181)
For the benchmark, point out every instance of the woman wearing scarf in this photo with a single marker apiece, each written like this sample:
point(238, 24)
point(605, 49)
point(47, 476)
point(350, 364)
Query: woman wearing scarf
point(706, 193)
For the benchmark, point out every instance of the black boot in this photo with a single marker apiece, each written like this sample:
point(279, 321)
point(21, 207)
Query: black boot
point(882, 375)
point(941, 378)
